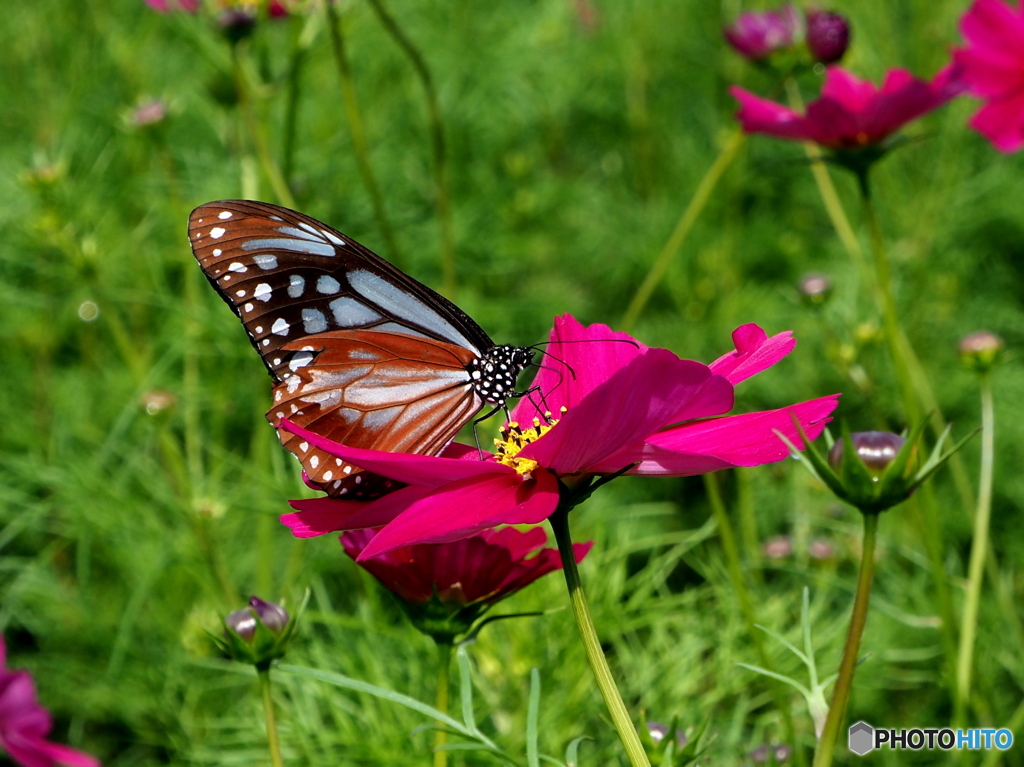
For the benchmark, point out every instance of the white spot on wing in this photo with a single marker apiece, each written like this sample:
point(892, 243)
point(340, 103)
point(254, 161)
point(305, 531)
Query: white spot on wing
point(217, 232)
point(314, 461)
point(224, 214)
point(296, 284)
point(240, 293)
point(349, 313)
point(327, 285)
point(216, 251)
point(248, 307)
point(313, 321)
point(262, 292)
point(280, 327)
point(291, 244)
point(300, 360)
point(259, 328)
point(333, 238)
point(405, 306)
point(265, 261)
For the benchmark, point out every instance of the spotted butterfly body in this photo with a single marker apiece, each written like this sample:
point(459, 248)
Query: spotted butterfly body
point(360, 352)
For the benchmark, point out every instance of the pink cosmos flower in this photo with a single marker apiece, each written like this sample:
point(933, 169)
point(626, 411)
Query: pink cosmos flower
point(625, 407)
point(756, 35)
point(992, 67)
point(474, 572)
point(24, 724)
point(167, 6)
point(851, 113)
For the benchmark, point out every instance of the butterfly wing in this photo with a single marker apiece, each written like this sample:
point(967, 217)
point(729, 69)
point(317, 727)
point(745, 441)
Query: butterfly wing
point(375, 390)
point(288, 276)
point(360, 352)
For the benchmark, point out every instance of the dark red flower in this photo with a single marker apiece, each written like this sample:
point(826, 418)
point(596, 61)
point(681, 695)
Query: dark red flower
point(24, 724)
point(483, 569)
point(828, 36)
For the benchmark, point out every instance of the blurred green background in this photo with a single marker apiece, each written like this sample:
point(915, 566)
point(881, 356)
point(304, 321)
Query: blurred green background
point(140, 485)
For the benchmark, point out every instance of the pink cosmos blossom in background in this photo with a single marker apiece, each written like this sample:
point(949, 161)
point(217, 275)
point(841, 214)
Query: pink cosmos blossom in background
point(992, 67)
point(482, 569)
point(828, 36)
point(167, 6)
point(624, 404)
point(758, 34)
point(24, 724)
point(851, 113)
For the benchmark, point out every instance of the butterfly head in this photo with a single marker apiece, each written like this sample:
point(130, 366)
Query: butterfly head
point(494, 373)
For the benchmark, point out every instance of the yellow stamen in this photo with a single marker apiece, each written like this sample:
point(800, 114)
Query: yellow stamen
point(514, 438)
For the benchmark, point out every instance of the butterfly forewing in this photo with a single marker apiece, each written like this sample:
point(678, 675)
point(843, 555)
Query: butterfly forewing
point(374, 390)
point(288, 276)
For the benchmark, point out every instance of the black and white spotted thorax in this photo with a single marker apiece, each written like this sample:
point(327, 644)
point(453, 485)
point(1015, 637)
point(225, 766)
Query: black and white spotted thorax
point(494, 374)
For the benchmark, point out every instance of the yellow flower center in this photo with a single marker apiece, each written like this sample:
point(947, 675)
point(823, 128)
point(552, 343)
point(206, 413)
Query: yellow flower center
point(514, 438)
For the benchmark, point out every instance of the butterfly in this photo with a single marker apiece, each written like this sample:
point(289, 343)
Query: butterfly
point(360, 352)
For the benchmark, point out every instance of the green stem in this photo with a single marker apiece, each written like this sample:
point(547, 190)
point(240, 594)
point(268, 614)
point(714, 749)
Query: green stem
point(255, 130)
point(437, 142)
point(273, 743)
point(685, 224)
point(969, 622)
point(827, 190)
point(291, 114)
point(592, 644)
point(444, 665)
point(901, 354)
point(739, 584)
point(358, 132)
point(841, 696)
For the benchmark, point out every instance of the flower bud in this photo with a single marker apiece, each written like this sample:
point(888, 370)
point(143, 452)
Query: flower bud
point(820, 549)
point(815, 289)
point(237, 22)
point(243, 623)
point(778, 547)
point(149, 113)
point(981, 351)
point(828, 36)
point(876, 449)
point(274, 617)
point(874, 470)
point(757, 35)
point(658, 731)
point(778, 753)
point(257, 634)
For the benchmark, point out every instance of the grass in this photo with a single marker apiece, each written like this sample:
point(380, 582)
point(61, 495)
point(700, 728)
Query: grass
point(572, 151)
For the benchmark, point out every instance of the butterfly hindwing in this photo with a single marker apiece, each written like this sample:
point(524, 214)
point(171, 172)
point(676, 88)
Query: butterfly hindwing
point(288, 276)
point(373, 390)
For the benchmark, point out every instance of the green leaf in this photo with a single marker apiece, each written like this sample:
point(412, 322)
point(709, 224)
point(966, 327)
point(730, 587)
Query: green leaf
point(572, 751)
point(532, 715)
point(466, 689)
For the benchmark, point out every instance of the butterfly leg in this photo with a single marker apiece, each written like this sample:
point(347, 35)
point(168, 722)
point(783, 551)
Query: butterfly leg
point(476, 434)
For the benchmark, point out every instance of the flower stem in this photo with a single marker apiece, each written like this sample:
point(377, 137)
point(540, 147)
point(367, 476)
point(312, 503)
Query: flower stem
point(592, 644)
point(356, 129)
point(291, 114)
point(902, 359)
point(444, 665)
point(437, 143)
point(827, 190)
point(979, 548)
point(841, 696)
point(268, 709)
point(739, 584)
point(683, 226)
point(255, 130)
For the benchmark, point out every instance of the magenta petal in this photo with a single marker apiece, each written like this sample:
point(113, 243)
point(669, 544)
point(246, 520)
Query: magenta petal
point(410, 468)
point(578, 359)
point(462, 508)
point(738, 440)
point(847, 90)
point(634, 403)
point(755, 352)
point(715, 397)
point(319, 516)
point(758, 115)
point(1002, 123)
point(519, 543)
point(987, 75)
point(994, 24)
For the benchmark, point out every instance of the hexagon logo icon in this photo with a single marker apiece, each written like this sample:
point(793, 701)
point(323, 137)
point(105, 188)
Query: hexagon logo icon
point(861, 738)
